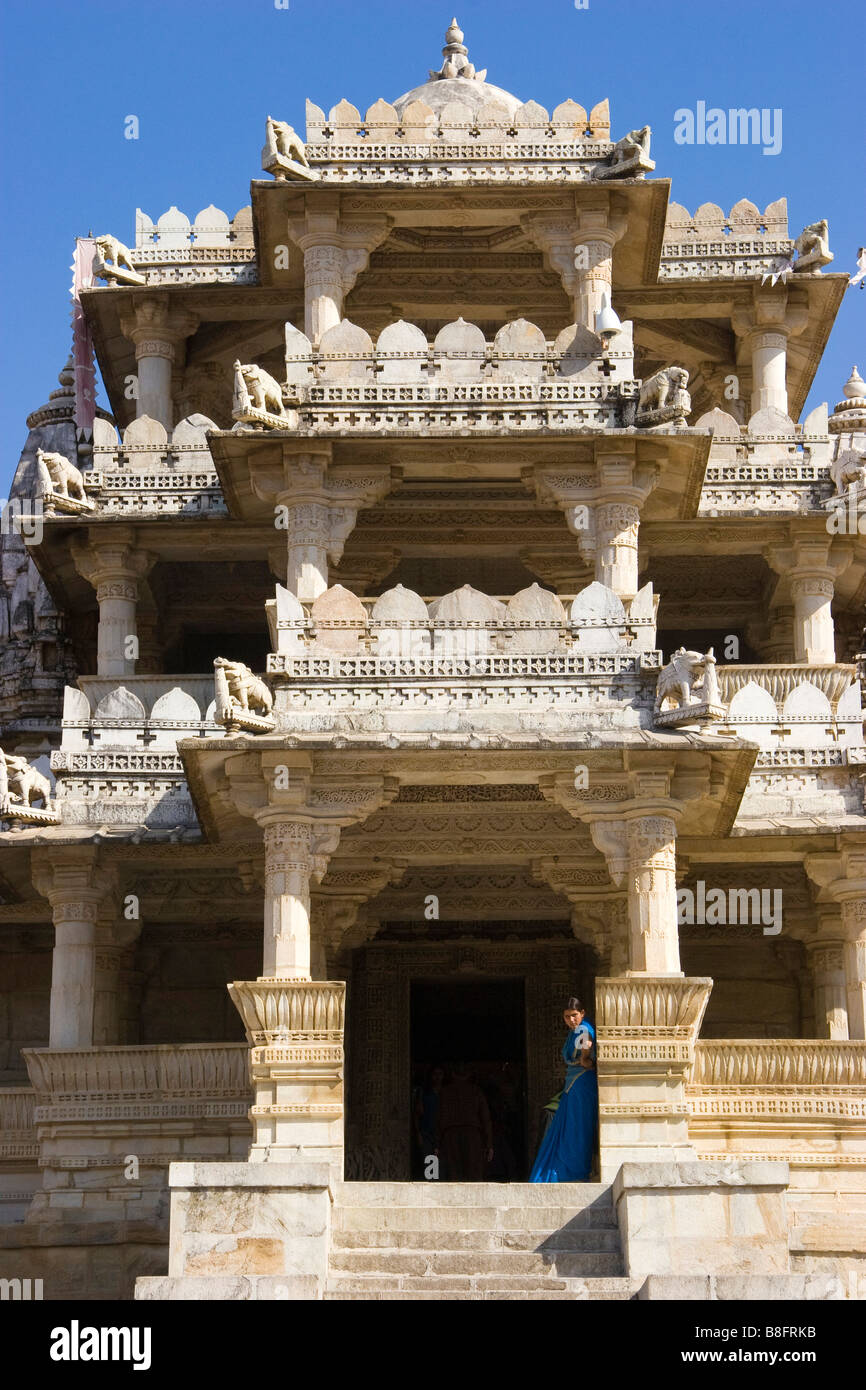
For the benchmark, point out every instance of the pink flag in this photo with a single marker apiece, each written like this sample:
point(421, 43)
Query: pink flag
point(82, 339)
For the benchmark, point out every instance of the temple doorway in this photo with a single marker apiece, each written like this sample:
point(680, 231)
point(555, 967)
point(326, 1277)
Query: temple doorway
point(476, 1026)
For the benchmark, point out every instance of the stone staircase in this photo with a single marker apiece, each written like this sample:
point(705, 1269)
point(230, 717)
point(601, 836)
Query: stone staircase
point(482, 1241)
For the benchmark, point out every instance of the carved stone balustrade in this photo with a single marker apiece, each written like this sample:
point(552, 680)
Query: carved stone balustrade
point(463, 655)
point(117, 763)
point(710, 245)
point(19, 1151)
point(149, 472)
point(209, 250)
point(801, 1099)
point(767, 465)
point(409, 143)
point(96, 1108)
point(459, 381)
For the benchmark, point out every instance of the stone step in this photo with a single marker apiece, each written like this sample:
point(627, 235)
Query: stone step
point(599, 1216)
point(575, 1196)
point(489, 1287)
point(586, 1239)
point(476, 1263)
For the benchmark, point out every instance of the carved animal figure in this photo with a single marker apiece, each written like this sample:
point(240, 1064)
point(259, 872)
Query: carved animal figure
point(283, 139)
point(246, 690)
point(259, 387)
point(113, 251)
point(813, 246)
point(848, 468)
point(663, 388)
point(685, 674)
point(634, 146)
point(24, 783)
point(59, 477)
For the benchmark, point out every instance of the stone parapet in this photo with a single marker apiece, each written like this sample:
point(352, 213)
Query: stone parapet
point(240, 1221)
point(801, 1099)
point(109, 1120)
point(703, 1218)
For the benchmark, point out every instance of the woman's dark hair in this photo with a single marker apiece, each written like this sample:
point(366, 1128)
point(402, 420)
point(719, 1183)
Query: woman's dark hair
point(572, 1005)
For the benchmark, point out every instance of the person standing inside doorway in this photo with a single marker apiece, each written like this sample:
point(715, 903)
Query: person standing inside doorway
point(464, 1129)
point(568, 1148)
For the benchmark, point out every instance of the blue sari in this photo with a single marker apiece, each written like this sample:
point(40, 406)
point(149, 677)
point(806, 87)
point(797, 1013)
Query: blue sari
point(568, 1147)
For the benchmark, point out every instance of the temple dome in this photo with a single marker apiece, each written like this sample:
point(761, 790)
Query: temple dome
point(457, 80)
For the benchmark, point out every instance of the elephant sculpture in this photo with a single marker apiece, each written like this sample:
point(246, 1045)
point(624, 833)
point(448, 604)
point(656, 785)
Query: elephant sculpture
point(688, 679)
point(243, 691)
point(21, 784)
point(256, 389)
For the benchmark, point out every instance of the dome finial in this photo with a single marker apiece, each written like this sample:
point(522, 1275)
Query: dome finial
point(854, 387)
point(456, 58)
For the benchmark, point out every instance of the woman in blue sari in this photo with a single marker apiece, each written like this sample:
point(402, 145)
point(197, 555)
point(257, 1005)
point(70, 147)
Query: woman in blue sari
point(568, 1147)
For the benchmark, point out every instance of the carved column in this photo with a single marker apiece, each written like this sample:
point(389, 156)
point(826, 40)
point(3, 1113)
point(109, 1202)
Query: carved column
point(643, 848)
point(580, 250)
point(809, 567)
point(827, 964)
point(77, 891)
point(603, 512)
point(317, 508)
point(616, 555)
point(114, 568)
point(841, 880)
point(854, 928)
point(814, 637)
point(336, 249)
point(763, 331)
point(159, 334)
point(288, 867)
point(309, 534)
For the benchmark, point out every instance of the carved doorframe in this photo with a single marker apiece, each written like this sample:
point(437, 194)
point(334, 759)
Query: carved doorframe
point(378, 1043)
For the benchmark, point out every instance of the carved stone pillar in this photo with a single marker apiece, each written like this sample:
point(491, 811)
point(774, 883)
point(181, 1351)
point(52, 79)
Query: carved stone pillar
point(77, 891)
point(647, 1030)
point(309, 536)
point(654, 945)
point(809, 567)
point(580, 250)
point(114, 567)
point(336, 249)
point(827, 964)
point(323, 289)
point(603, 511)
point(643, 848)
point(317, 507)
point(854, 928)
point(616, 555)
point(289, 846)
point(593, 269)
point(814, 637)
point(158, 333)
point(763, 331)
point(841, 880)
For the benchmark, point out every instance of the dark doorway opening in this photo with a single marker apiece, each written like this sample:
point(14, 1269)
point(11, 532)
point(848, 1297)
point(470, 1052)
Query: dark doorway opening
point(479, 1022)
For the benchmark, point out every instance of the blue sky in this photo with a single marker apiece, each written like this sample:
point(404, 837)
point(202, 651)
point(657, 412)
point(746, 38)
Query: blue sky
point(201, 75)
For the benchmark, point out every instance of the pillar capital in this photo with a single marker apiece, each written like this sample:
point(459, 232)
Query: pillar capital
point(155, 327)
point(336, 250)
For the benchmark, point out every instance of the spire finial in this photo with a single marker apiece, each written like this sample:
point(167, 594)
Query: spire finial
point(854, 387)
point(456, 57)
